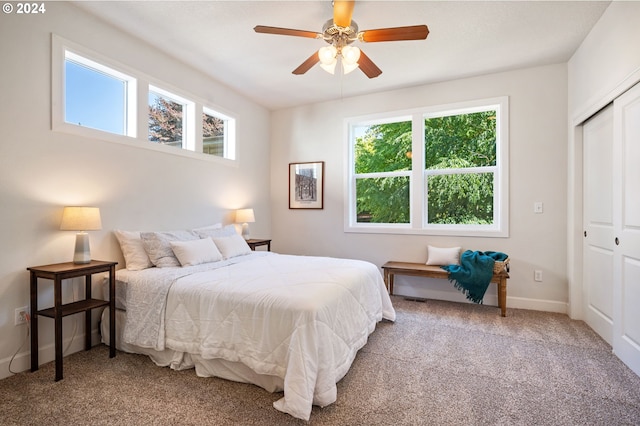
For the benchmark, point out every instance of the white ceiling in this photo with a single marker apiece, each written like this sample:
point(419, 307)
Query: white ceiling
point(466, 38)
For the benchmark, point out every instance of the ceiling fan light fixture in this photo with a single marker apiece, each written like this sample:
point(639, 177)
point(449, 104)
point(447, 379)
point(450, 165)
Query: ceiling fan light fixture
point(327, 55)
point(330, 68)
point(350, 55)
point(347, 68)
point(339, 32)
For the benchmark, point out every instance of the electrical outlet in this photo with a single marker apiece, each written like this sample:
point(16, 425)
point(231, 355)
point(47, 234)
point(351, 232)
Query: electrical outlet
point(537, 275)
point(21, 315)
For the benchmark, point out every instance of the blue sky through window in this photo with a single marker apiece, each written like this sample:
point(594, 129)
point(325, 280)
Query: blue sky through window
point(94, 99)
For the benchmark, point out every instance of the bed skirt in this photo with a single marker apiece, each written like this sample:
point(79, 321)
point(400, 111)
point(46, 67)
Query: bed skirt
point(221, 368)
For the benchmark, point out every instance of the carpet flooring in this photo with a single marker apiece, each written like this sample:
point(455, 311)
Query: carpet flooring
point(440, 363)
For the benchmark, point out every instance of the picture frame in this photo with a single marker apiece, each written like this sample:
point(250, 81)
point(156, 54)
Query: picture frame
point(306, 185)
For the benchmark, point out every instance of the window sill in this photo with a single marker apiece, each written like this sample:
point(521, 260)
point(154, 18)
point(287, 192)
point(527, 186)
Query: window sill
point(466, 231)
point(87, 132)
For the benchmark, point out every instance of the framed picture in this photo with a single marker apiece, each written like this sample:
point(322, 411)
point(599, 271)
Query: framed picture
point(306, 185)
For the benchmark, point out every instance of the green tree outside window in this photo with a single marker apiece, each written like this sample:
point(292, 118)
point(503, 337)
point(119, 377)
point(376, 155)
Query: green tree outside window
point(460, 158)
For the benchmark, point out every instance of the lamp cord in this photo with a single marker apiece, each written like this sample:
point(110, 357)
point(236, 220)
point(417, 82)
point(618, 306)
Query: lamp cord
point(75, 322)
point(26, 337)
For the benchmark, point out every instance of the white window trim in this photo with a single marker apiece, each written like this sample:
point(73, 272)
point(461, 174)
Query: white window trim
point(229, 134)
point(188, 116)
point(132, 91)
point(418, 225)
point(137, 110)
point(61, 49)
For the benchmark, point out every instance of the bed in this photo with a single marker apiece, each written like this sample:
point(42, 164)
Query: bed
point(285, 323)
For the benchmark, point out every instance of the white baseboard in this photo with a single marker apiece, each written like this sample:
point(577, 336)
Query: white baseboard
point(46, 353)
point(537, 305)
point(490, 299)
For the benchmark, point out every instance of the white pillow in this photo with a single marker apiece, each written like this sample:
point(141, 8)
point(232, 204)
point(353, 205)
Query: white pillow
point(443, 256)
point(204, 228)
point(195, 252)
point(232, 245)
point(135, 257)
point(158, 246)
point(216, 232)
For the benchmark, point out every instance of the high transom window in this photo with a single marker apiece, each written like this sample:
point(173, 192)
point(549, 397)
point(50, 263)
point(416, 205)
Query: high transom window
point(218, 134)
point(168, 117)
point(95, 97)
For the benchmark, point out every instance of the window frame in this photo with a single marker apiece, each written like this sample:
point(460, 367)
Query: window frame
point(418, 174)
point(137, 108)
point(229, 146)
point(130, 90)
point(392, 118)
point(188, 116)
point(63, 49)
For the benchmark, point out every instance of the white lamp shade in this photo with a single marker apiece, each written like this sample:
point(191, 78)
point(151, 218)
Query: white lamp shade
point(245, 216)
point(81, 219)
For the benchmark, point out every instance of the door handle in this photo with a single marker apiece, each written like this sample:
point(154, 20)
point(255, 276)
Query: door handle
point(617, 241)
point(585, 233)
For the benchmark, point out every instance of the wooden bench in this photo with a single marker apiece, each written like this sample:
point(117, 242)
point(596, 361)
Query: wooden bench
point(421, 270)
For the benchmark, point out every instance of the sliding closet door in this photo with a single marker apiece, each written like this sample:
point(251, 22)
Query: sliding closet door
point(626, 201)
point(598, 243)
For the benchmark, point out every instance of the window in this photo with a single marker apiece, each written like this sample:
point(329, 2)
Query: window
point(431, 171)
point(169, 116)
point(97, 96)
point(460, 164)
point(218, 134)
point(383, 165)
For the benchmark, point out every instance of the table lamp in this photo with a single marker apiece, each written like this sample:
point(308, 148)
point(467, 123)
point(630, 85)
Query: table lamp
point(245, 216)
point(81, 219)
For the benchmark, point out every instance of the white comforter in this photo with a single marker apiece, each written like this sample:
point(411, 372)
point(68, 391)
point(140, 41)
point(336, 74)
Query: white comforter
point(298, 318)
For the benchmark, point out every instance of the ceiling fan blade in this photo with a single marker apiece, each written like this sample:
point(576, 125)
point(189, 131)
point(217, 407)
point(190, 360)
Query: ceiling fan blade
point(415, 32)
point(308, 64)
point(342, 12)
point(286, 31)
point(367, 66)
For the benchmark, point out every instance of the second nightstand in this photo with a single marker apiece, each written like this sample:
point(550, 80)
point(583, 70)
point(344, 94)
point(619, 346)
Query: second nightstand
point(253, 243)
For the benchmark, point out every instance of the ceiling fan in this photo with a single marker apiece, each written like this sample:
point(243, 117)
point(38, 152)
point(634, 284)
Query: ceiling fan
point(340, 32)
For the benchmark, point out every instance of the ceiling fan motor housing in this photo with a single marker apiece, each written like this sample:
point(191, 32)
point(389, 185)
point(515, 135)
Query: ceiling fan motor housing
point(339, 36)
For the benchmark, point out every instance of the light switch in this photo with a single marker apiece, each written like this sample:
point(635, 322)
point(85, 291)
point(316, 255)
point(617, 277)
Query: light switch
point(537, 207)
point(537, 275)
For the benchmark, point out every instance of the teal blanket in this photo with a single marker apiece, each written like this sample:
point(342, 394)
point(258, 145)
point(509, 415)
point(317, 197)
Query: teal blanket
point(473, 275)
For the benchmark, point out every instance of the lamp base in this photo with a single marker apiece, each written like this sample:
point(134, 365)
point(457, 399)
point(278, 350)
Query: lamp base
point(245, 231)
point(82, 253)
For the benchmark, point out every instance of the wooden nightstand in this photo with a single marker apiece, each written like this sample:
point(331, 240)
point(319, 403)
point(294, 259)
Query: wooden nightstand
point(62, 271)
point(253, 243)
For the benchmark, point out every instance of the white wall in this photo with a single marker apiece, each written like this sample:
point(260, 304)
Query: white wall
point(538, 116)
point(136, 189)
point(605, 65)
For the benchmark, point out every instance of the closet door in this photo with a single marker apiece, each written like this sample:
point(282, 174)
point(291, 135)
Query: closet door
point(626, 202)
point(598, 245)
